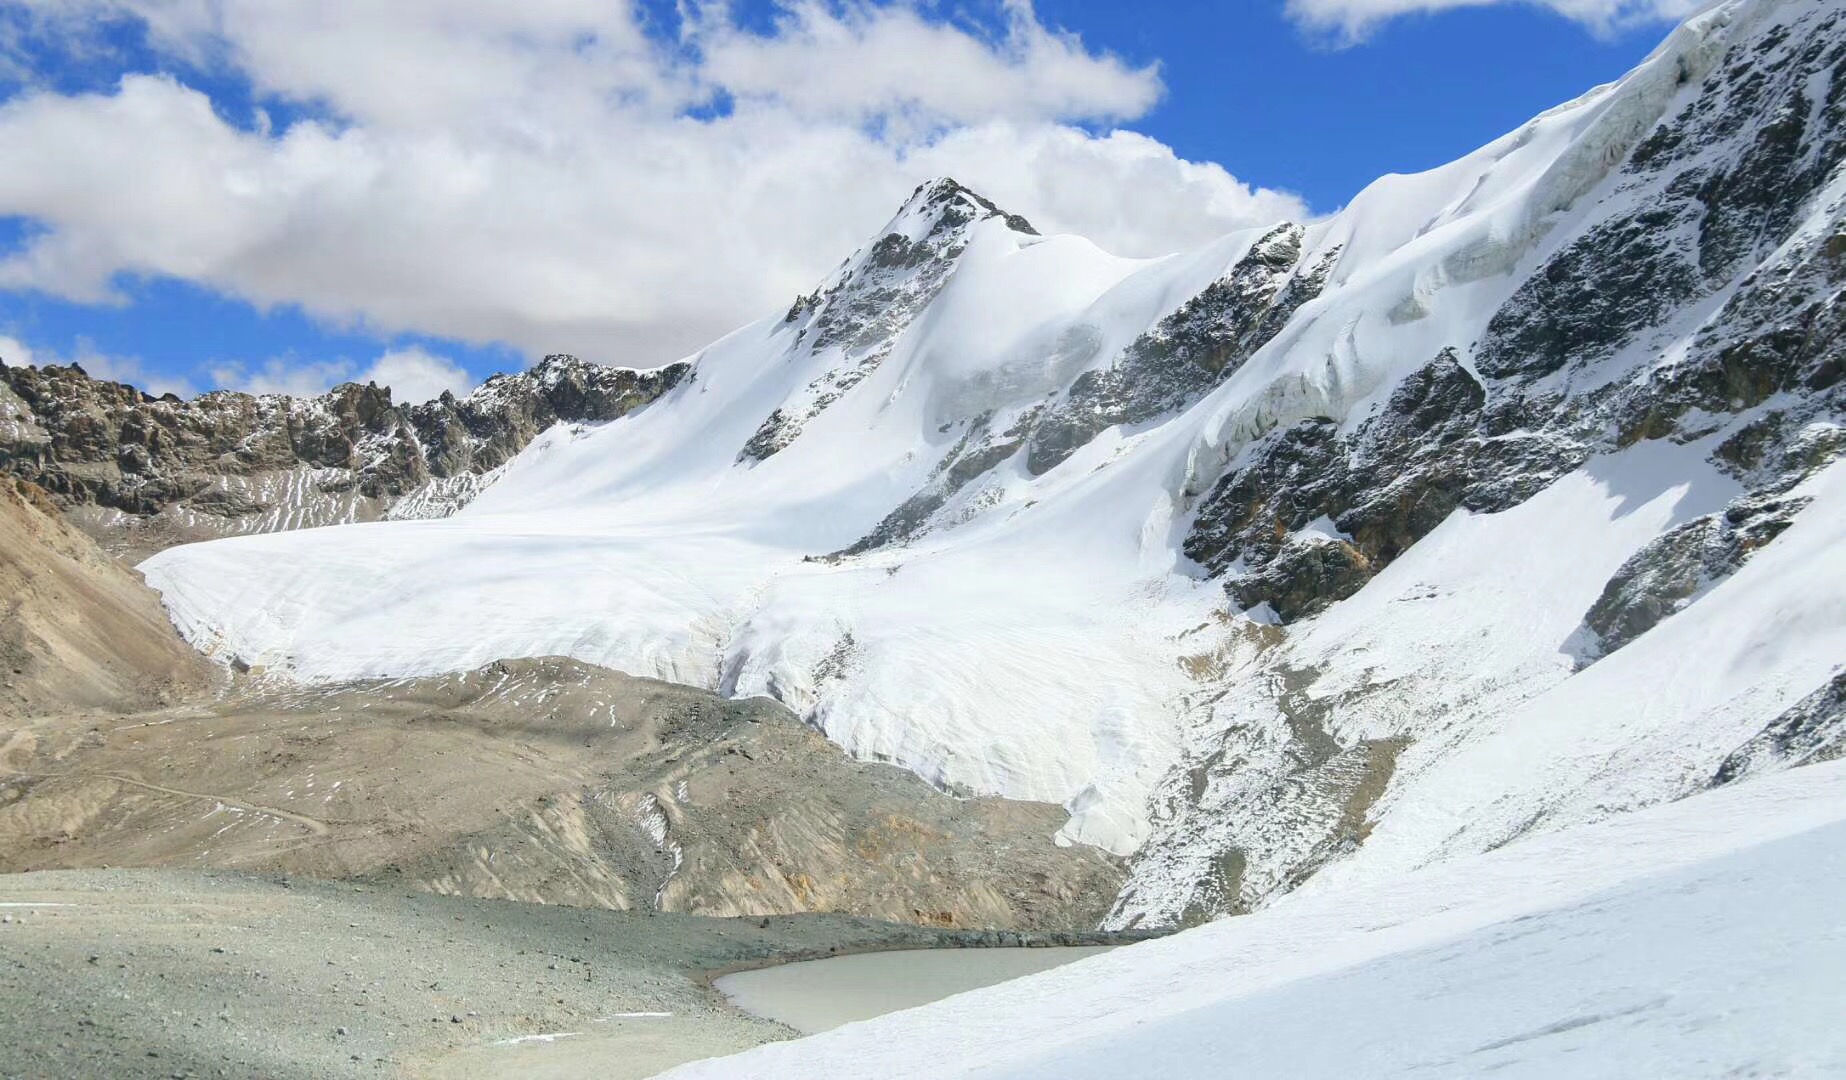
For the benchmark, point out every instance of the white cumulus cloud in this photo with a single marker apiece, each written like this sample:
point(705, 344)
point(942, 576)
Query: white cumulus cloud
point(866, 62)
point(1352, 20)
point(551, 175)
point(414, 375)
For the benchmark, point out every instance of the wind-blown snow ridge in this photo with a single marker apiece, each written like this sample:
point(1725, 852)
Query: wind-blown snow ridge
point(1256, 557)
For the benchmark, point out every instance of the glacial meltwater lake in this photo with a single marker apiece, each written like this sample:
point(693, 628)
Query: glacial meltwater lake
point(814, 995)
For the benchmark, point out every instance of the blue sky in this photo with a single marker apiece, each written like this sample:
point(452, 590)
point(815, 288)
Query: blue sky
point(1285, 107)
point(1280, 107)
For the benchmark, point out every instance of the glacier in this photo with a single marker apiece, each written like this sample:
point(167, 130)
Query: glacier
point(943, 506)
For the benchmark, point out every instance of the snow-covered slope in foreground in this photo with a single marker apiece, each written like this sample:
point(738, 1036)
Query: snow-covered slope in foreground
point(1701, 939)
point(1503, 499)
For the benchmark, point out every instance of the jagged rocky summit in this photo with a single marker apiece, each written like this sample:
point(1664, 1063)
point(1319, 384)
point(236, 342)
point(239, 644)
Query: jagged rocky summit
point(142, 472)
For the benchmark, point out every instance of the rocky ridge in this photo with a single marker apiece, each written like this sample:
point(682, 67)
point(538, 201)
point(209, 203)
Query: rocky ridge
point(141, 473)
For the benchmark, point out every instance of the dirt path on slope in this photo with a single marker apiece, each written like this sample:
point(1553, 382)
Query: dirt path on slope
point(317, 827)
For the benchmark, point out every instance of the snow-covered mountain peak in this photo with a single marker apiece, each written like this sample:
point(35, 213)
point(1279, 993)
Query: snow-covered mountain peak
point(942, 205)
point(929, 232)
point(849, 326)
point(1248, 554)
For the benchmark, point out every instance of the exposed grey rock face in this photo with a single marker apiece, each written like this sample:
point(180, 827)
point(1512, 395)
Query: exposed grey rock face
point(1713, 201)
point(1813, 730)
point(1677, 567)
point(1190, 351)
point(141, 472)
point(1434, 446)
point(1718, 186)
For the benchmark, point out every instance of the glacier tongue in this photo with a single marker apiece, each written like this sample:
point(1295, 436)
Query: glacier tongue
point(1024, 516)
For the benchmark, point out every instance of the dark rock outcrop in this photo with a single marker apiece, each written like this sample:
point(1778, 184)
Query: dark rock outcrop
point(1811, 731)
point(1679, 565)
point(1427, 451)
point(1717, 186)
